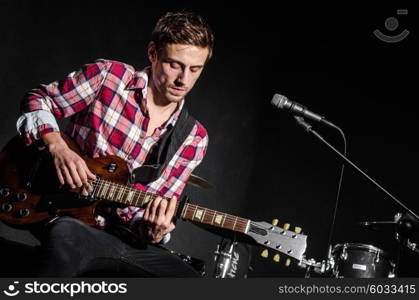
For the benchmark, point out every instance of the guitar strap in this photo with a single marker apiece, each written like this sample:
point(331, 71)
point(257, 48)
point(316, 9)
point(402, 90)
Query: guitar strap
point(164, 150)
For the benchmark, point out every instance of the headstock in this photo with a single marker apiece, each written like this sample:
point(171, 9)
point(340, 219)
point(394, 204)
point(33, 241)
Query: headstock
point(291, 243)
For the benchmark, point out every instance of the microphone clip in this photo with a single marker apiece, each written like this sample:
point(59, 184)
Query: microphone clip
point(300, 121)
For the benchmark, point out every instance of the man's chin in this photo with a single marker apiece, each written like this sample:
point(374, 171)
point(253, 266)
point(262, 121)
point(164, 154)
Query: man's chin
point(174, 98)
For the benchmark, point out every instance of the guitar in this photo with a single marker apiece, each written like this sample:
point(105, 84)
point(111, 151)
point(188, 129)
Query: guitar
point(30, 193)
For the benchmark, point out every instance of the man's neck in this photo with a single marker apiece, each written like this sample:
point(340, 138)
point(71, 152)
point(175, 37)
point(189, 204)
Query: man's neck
point(157, 105)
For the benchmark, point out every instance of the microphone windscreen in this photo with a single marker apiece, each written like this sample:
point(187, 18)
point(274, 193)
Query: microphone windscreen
point(279, 101)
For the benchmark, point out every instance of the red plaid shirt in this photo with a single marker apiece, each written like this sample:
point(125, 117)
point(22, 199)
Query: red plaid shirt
point(107, 104)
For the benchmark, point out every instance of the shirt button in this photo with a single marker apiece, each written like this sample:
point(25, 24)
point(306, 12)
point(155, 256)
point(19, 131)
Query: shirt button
point(130, 157)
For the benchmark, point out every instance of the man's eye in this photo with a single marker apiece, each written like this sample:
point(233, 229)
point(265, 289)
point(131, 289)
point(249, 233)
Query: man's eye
point(174, 65)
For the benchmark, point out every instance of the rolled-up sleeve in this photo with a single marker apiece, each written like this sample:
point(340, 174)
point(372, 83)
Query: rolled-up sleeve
point(59, 99)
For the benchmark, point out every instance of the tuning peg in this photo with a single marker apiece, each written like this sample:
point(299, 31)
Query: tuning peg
point(298, 229)
point(265, 253)
point(286, 226)
point(276, 258)
point(275, 222)
point(287, 262)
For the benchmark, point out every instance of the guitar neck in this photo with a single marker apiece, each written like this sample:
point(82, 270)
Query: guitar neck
point(108, 190)
point(211, 217)
point(111, 191)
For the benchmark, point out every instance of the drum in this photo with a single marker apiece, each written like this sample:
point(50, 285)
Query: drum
point(354, 260)
point(232, 259)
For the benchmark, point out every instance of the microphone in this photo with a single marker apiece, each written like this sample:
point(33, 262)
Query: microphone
point(295, 108)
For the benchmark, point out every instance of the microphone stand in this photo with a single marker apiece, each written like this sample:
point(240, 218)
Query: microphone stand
point(308, 128)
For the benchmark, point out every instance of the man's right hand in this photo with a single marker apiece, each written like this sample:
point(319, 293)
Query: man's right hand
point(70, 167)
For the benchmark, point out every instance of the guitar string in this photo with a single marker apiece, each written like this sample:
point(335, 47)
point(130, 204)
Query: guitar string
point(101, 184)
point(228, 218)
point(105, 186)
point(239, 223)
point(210, 213)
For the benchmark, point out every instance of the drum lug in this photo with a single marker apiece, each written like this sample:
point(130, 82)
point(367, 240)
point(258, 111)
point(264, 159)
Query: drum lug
point(392, 273)
point(377, 257)
point(344, 254)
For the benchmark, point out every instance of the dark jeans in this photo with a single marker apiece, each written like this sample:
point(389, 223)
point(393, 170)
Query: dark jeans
point(70, 248)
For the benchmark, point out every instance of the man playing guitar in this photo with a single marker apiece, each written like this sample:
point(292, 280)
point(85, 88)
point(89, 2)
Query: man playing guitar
point(117, 110)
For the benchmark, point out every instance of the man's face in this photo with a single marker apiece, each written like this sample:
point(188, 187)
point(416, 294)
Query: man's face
point(176, 69)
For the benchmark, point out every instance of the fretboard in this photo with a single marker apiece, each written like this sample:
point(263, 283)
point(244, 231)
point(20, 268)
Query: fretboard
point(108, 190)
point(215, 218)
point(111, 191)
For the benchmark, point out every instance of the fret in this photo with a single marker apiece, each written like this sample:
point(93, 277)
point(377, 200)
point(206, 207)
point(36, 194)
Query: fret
point(193, 214)
point(119, 195)
point(123, 197)
point(125, 192)
point(184, 210)
point(203, 215)
point(112, 191)
point(235, 221)
point(129, 196)
point(98, 187)
point(138, 197)
point(224, 220)
point(105, 189)
point(213, 216)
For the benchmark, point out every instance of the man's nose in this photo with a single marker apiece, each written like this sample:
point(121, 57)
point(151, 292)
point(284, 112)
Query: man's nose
point(183, 77)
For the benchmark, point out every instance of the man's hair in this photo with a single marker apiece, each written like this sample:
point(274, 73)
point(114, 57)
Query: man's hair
point(183, 28)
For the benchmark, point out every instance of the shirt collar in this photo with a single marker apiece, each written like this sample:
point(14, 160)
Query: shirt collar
point(172, 120)
point(140, 81)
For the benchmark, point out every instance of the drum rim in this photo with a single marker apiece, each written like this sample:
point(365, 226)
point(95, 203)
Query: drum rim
point(361, 246)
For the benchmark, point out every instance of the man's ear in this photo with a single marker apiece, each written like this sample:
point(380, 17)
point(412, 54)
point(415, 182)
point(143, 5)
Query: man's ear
point(152, 52)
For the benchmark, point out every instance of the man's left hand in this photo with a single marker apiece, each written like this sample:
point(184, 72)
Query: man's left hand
point(158, 218)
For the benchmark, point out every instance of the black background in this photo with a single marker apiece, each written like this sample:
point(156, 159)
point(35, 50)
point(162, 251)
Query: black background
point(262, 164)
